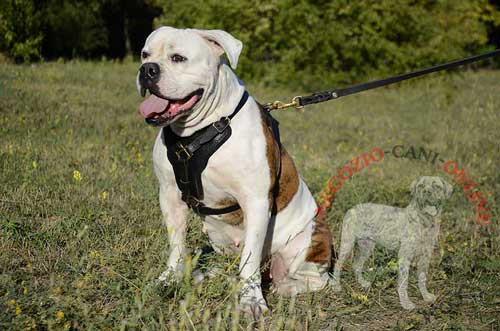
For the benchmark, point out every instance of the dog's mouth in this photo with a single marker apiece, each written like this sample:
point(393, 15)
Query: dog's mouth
point(159, 110)
point(431, 210)
point(430, 207)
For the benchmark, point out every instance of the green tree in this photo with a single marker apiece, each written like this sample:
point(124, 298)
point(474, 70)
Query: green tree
point(20, 35)
point(320, 43)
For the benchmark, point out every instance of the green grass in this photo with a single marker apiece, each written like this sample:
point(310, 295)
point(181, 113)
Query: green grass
point(74, 257)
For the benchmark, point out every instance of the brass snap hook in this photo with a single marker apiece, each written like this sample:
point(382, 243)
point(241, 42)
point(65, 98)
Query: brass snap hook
point(278, 105)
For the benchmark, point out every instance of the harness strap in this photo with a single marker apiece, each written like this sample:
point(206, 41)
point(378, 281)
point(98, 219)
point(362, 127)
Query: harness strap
point(189, 157)
point(215, 128)
point(273, 125)
point(204, 210)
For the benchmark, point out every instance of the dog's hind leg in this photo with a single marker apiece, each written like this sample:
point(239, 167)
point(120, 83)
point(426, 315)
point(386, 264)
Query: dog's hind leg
point(365, 249)
point(346, 245)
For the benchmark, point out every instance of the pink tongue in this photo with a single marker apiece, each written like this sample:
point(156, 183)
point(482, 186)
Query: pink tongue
point(153, 106)
point(177, 106)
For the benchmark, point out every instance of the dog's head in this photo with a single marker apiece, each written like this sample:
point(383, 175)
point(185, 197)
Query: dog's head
point(429, 193)
point(179, 69)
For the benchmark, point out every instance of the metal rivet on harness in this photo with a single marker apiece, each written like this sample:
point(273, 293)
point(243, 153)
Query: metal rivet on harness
point(182, 149)
point(221, 125)
point(193, 202)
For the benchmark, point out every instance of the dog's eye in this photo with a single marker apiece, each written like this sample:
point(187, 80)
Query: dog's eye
point(177, 58)
point(144, 54)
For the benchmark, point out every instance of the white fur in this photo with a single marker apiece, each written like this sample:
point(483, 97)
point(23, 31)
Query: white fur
point(238, 170)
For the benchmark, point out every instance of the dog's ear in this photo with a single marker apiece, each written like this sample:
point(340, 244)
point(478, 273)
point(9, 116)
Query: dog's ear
point(448, 188)
point(413, 186)
point(222, 42)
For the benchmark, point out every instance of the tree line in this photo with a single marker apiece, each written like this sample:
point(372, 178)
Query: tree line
point(285, 41)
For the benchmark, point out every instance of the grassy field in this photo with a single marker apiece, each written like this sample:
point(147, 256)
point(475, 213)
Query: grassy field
point(81, 239)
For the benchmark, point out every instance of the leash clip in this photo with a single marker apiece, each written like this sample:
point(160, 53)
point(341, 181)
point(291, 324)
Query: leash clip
point(278, 105)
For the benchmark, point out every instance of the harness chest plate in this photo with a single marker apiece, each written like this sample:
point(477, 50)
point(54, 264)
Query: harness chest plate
point(189, 157)
point(189, 162)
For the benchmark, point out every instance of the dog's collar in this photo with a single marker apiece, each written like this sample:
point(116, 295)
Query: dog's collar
point(189, 157)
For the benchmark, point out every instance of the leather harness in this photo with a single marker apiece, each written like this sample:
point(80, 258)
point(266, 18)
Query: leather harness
point(189, 157)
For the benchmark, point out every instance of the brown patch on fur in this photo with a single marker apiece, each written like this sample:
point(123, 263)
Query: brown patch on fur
point(289, 178)
point(321, 248)
point(236, 217)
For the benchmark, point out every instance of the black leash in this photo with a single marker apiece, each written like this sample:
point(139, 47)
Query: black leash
point(301, 101)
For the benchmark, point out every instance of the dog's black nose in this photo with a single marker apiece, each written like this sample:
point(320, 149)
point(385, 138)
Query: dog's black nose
point(150, 72)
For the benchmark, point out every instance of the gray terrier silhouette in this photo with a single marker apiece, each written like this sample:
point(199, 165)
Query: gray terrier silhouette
point(414, 230)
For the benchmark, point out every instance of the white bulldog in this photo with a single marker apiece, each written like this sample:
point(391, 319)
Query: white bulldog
point(191, 88)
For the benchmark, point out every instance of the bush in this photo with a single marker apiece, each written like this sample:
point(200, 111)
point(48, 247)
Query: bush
point(74, 29)
point(306, 43)
point(316, 44)
point(20, 34)
point(32, 29)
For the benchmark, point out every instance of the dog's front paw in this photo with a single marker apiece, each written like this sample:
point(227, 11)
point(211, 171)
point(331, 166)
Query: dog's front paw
point(198, 276)
point(429, 297)
point(335, 284)
point(252, 302)
point(365, 284)
point(253, 306)
point(407, 304)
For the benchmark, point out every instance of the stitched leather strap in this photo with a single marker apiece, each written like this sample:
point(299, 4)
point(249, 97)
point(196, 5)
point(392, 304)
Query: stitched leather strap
point(189, 157)
point(337, 93)
point(204, 210)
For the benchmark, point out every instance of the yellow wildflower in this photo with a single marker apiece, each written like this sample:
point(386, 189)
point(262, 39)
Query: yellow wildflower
point(30, 324)
point(139, 157)
point(95, 254)
point(12, 302)
point(360, 297)
point(57, 291)
point(18, 310)
point(77, 176)
point(67, 326)
point(104, 195)
point(25, 291)
point(59, 315)
point(392, 265)
point(80, 283)
point(442, 275)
